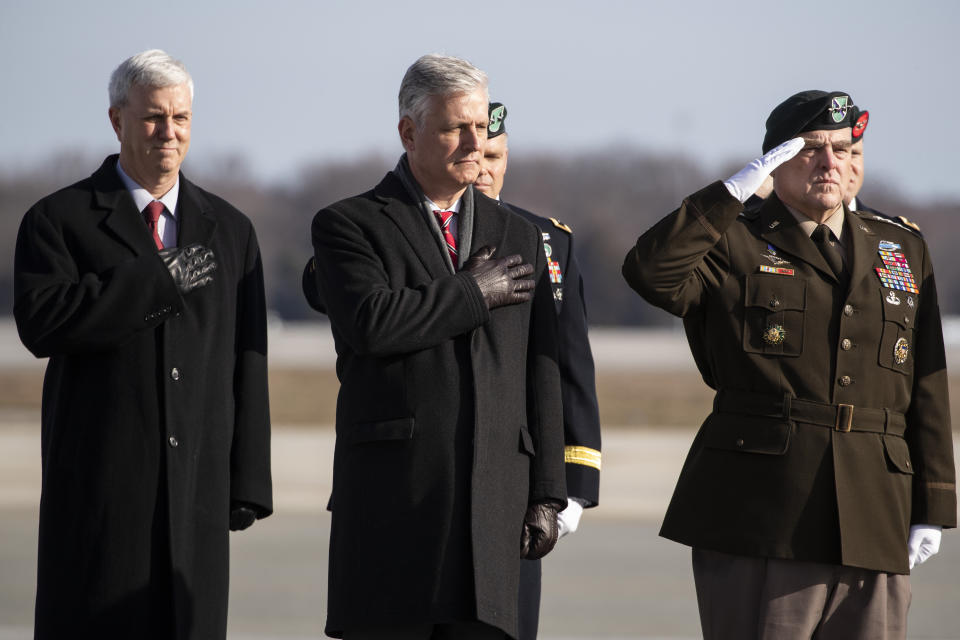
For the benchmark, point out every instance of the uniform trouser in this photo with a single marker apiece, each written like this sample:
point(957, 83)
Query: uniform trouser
point(774, 599)
point(528, 610)
point(452, 631)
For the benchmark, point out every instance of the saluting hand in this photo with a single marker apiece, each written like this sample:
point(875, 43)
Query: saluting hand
point(744, 183)
point(502, 281)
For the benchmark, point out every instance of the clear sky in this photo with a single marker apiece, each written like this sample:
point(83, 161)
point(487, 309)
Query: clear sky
point(283, 83)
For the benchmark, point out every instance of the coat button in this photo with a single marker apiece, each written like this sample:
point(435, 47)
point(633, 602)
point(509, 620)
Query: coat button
point(845, 344)
point(173, 442)
point(906, 320)
point(774, 302)
point(845, 381)
point(175, 374)
point(848, 310)
point(739, 442)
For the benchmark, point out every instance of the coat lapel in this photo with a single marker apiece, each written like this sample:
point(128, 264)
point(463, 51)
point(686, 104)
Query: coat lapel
point(780, 228)
point(864, 248)
point(409, 220)
point(195, 224)
point(489, 226)
point(122, 219)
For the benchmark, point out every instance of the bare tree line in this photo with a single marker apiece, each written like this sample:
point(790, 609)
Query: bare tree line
point(607, 198)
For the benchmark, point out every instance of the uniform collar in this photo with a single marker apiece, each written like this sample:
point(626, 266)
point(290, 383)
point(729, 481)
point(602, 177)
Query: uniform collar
point(834, 222)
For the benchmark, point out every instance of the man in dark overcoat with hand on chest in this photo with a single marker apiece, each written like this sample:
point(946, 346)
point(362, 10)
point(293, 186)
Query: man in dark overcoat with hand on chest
point(449, 457)
point(146, 294)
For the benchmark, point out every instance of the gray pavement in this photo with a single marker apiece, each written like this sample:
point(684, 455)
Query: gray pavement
point(614, 578)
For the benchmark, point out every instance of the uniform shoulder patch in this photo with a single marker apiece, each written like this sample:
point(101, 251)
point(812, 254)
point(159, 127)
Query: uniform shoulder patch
point(560, 225)
point(912, 225)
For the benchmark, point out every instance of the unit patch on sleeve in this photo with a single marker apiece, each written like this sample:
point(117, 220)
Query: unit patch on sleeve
point(553, 267)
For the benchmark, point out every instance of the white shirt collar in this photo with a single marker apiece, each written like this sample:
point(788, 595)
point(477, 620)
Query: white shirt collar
point(435, 207)
point(142, 197)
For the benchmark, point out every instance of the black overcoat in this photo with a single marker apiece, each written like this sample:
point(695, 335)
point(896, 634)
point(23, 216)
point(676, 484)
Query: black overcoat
point(581, 412)
point(449, 419)
point(155, 410)
point(831, 431)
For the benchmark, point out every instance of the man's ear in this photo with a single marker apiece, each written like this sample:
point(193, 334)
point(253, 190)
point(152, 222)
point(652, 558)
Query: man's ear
point(406, 128)
point(114, 114)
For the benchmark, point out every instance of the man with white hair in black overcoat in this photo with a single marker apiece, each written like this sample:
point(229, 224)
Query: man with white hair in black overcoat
point(146, 293)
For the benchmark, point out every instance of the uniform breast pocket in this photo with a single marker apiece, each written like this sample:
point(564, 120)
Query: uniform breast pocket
point(896, 343)
point(773, 314)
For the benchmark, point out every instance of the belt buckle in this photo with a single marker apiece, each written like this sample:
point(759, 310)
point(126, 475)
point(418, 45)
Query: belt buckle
point(844, 418)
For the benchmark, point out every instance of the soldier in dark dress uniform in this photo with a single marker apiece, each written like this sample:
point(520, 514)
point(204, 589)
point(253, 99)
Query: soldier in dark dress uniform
point(581, 419)
point(829, 446)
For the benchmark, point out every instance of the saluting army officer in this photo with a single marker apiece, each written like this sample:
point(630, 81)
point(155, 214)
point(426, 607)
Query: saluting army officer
point(829, 445)
point(581, 418)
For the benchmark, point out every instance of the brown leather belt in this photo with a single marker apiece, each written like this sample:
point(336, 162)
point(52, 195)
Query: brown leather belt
point(840, 417)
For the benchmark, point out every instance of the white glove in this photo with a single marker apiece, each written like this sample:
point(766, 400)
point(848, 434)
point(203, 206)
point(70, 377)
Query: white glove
point(744, 183)
point(924, 541)
point(569, 519)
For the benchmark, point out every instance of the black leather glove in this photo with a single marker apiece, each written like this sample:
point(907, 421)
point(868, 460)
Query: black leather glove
point(540, 530)
point(241, 517)
point(190, 266)
point(502, 281)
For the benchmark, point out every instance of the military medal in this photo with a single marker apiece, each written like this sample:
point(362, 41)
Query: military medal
point(774, 334)
point(897, 274)
point(780, 271)
point(771, 255)
point(910, 301)
point(553, 267)
point(892, 298)
point(901, 350)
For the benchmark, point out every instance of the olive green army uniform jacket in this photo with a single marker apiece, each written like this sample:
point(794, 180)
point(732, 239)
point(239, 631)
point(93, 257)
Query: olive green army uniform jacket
point(830, 433)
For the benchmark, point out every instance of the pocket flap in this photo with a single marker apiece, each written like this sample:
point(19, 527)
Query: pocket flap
point(399, 429)
point(898, 453)
point(899, 307)
point(750, 434)
point(775, 293)
point(526, 442)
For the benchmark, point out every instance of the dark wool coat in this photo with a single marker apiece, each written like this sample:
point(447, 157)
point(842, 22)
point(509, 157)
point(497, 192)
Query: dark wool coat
point(155, 412)
point(449, 420)
point(581, 413)
point(831, 431)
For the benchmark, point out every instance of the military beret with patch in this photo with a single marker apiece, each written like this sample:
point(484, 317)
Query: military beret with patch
point(498, 116)
point(808, 111)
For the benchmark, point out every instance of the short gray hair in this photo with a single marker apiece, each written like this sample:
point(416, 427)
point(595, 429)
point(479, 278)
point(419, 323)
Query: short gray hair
point(152, 68)
point(436, 75)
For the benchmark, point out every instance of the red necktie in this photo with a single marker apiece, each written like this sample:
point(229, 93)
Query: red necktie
point(444, 218)
point(152, 213)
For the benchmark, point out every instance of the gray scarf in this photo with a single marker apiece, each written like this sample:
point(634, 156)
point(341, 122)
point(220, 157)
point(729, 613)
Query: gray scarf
point(464, 216)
